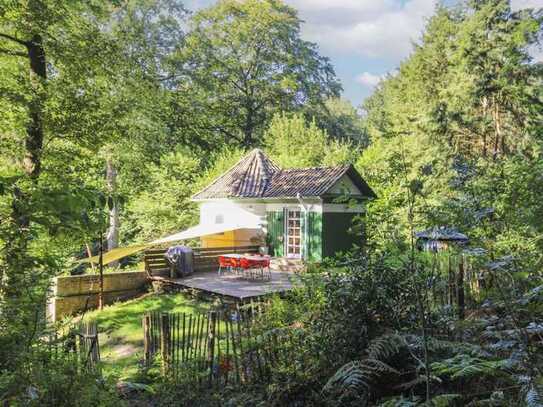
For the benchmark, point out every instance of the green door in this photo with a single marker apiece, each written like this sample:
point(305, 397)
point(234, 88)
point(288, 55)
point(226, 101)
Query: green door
point(276, 230)
point(313, 240)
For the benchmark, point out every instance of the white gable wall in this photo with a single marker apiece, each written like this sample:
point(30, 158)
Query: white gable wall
point(345, 186)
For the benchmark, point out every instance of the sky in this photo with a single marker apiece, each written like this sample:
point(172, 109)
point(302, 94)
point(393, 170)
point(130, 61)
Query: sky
point(365, 39)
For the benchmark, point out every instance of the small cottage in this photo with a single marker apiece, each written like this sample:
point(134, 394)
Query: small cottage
point(304, 213)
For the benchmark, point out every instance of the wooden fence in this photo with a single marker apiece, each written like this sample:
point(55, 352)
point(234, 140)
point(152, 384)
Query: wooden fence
point(80, 342)
point(88, 345)
point(205, 259)
point(216, 348)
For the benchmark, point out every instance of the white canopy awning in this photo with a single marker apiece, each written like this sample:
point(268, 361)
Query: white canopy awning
point(191, 233)
point(205, 230)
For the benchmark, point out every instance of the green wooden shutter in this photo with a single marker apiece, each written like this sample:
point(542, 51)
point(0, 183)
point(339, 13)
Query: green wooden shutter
point(314, 236)
point(276, 230)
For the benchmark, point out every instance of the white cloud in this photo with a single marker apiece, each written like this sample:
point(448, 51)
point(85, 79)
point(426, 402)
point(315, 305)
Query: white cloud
point(377, 29)
point(536, 53)
point(520, 4)
point(368, 79)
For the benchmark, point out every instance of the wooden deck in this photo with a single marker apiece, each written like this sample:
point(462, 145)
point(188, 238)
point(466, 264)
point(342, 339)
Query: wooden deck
point(233, 286)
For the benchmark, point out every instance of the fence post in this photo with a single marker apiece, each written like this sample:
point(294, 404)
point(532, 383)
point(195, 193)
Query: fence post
point(146, 321)
point(211, 346)
point(165, 342)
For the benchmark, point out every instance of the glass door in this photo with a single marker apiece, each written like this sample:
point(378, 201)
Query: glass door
point(294, 233)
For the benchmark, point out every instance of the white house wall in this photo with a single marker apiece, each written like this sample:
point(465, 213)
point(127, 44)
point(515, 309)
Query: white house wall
point(228, 211)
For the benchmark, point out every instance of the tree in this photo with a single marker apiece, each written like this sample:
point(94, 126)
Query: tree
point(147, 33)
point(341, 120)
point(444, 107)
point(61, 100)
point(165, 206)
point(244, 61)
point(292, 142)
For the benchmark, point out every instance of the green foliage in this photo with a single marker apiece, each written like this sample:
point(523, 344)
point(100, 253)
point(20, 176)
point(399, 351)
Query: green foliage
point(164, 206)
point(244, 61)
point(292, 142)
point(42, 381)
point(341, 120)
point(219, 163)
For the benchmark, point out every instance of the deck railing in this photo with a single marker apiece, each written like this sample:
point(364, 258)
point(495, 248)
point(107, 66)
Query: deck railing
point(205, 259)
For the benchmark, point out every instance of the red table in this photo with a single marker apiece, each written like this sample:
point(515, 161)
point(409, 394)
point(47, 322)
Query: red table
point(249, 266)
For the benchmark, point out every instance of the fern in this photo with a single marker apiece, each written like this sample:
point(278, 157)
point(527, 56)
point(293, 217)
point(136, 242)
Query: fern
point(386, 346)
point(360, 376)
point(400, 402)
point(416, 381)
point(534, 396)
point(443, 400)
point(357, 376)
point(351, 377)
point(438, 345)
point(465, 366)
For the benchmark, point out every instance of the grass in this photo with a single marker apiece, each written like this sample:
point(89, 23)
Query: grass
point(121, 334)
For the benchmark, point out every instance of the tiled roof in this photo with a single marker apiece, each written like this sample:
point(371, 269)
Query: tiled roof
point(256, 176)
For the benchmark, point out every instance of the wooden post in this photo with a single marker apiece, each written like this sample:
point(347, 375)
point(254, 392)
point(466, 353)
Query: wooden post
point(146, 321)
point(218, 341)
point(189, 339)
point(101, 270)
point(244, 369)
point(183, 350)
point(234, 350)
point(165, 342)
point(211, 345)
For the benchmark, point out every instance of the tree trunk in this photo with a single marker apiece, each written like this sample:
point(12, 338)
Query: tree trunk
point(497, 129)
point(460, 290)
point(112, 237)
point(451, 282)
point(34, 138)
point(248, 128)
point(485, 147)
point(31, 164)
point(18, 307)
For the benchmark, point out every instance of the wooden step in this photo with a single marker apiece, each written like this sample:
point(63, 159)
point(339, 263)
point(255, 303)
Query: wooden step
point(287, 264)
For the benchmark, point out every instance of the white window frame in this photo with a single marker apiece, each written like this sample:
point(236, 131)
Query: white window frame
point(288, 229)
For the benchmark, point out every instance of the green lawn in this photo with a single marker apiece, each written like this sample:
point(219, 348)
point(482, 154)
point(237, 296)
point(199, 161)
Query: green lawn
point(121, 334)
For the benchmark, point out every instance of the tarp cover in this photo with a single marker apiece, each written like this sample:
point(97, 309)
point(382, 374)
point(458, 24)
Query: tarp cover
point(203, 230)
point(191, 233)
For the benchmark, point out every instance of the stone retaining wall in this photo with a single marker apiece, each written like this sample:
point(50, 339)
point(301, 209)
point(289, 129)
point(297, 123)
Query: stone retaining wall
point(73, 294)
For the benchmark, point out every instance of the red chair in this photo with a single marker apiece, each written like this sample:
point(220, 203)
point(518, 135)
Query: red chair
point(235, 264)
point(224, 263)
point(255, 268)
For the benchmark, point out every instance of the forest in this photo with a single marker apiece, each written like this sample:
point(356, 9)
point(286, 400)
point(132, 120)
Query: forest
point(113, 113)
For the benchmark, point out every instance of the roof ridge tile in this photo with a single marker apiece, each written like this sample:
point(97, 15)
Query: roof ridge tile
point(257, 176)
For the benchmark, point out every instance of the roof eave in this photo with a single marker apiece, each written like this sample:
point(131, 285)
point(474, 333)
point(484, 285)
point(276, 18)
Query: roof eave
point(257, 198)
